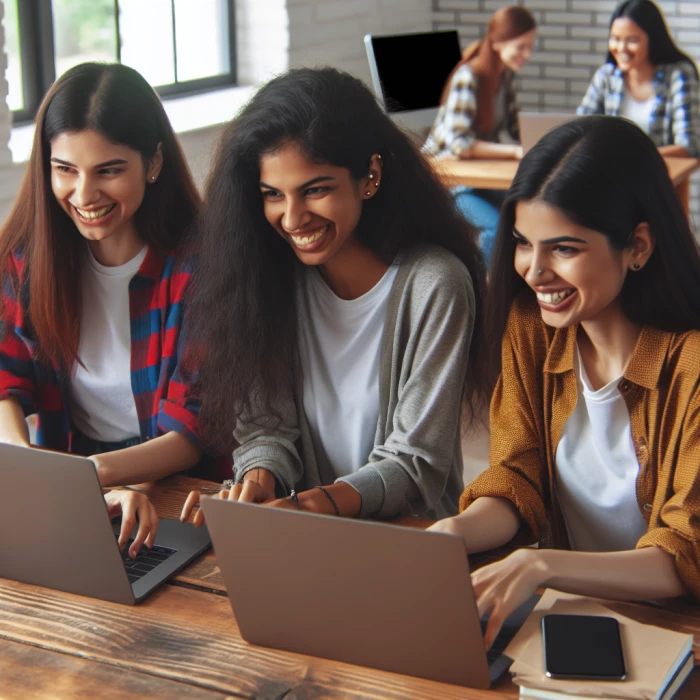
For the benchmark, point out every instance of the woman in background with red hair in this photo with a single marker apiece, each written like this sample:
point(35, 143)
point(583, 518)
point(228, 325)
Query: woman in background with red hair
point(478, 115)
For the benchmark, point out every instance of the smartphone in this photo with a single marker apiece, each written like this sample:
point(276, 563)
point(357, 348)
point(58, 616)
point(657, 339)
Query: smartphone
point(587, 647)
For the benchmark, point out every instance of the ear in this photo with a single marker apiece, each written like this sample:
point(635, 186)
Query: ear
point(641, 247)
point(371, 183)
point(155, 165)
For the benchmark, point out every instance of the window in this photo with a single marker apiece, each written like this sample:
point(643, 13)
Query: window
point(179, 46)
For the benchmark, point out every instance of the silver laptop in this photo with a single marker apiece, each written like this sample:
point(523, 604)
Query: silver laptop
point(56, 531)
point(362, 592)
point(534, 125)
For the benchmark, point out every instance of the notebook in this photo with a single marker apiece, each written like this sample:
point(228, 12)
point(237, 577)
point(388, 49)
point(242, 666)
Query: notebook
point(658, 660)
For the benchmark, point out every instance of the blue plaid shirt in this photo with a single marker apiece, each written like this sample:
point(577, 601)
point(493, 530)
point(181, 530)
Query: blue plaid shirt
point(675, 117)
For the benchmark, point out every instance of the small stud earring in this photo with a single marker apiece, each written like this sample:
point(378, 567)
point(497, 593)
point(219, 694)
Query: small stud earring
point(636, 266)
point(368, 193)
point(153, 178)
point(376, 184)
point(371, 176)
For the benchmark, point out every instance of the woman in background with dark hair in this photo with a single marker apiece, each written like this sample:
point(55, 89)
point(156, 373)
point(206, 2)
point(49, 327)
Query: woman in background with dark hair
point(649, 80)
point(339, 307)
point(595, 420)
point(92, 283)
point(478, 110)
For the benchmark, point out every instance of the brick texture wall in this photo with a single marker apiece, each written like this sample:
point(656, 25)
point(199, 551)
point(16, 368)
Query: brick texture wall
point(571, 44)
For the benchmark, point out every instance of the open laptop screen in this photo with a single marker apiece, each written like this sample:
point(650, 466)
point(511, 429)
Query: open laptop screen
point(409, 70)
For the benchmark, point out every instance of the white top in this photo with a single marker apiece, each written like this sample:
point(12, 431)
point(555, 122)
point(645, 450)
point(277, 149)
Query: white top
point(103, 405)
point(340, 344)
point(596, 471)
point(637, 112)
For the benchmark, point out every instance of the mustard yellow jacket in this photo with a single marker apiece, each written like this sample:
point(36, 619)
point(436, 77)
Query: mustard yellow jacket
point(537, 392)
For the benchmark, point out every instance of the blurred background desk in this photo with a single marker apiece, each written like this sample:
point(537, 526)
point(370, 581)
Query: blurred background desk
point(498, 174)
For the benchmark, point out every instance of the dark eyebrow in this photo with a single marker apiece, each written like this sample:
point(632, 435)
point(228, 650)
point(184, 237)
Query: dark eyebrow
point(313, 181)
point(115, 161)
point(558, 239)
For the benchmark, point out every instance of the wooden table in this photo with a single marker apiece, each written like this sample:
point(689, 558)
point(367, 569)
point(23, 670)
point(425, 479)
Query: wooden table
point(498, 174)
point(183, 642)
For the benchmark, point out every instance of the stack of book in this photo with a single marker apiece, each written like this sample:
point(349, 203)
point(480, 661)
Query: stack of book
point(657, 660)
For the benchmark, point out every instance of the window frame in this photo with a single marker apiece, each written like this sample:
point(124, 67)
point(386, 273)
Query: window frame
point(37, 49)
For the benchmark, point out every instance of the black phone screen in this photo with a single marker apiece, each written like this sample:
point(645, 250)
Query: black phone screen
point(582, 646)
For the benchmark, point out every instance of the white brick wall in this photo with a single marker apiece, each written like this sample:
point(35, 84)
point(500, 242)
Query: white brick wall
point(331, 32)
point(571, 44)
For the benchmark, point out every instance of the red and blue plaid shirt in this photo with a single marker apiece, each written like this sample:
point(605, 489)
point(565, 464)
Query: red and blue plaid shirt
point(160, 386)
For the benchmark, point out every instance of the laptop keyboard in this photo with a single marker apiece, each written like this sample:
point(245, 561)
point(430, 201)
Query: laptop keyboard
point(146, 560)
point(500, 643)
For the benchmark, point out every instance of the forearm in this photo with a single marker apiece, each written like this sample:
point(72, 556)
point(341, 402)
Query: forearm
point(347, 499)
point(638, 574)
point(487, 523)
point(13, 425)
point(486, 150)
point(150, 461)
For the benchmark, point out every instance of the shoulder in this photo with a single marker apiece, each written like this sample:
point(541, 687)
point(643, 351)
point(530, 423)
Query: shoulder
point(463, 78)
point(683, 355)
point(526, 329)
point(604, 72)
point(430, 268)
point(683, 70)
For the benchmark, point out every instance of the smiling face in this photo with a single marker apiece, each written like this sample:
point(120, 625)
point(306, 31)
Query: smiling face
point(99, 184)
point(575, 273)
point(315, 207)
point(628, 44)
point(515, 53)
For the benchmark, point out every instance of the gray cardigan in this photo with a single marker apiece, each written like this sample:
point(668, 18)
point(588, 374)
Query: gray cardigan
point(415, 467)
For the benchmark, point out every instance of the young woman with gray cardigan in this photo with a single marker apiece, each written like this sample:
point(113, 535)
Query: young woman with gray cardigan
point(337, 307)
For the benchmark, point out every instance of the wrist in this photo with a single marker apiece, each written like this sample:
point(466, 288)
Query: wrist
point(315, 501)
point(263, 477)
point(546, 563)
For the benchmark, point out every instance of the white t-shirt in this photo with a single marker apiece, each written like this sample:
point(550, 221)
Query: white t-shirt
point(596, 471)
point(637, 112)
point(340, 343)
point(103, 405)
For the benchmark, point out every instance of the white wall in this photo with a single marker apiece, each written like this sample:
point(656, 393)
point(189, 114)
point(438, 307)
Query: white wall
point(272, 36)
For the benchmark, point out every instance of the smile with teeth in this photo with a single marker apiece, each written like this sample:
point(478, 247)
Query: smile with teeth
point(554, 297)
point(310, 237)
point(96, 213)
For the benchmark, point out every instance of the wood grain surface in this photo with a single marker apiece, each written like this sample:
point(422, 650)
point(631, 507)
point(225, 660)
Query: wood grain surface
point(30, 672)
point(183, 642)
point(191, 636)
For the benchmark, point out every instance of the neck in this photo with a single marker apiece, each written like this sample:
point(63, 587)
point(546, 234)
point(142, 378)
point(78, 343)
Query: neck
point(606, 344)
point(353, 271)
point(641, 75)
point(117, 250)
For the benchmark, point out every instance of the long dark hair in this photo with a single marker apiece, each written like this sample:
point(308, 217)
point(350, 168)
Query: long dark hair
point(117, 102)
point(243, 308)
point(506, 24)
point(647, 16)
point(605, 174)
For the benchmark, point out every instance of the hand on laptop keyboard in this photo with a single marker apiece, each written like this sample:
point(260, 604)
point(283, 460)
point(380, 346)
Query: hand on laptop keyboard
point(130, 504)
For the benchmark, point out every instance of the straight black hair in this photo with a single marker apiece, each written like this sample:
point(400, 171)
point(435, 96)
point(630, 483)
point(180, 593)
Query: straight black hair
point(647, 16)
point(243, 311)
point(605, 174)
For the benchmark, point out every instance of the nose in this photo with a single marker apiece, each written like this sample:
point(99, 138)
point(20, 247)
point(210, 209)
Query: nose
point(295, 216)
point(538, 271)
point(86, 192)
